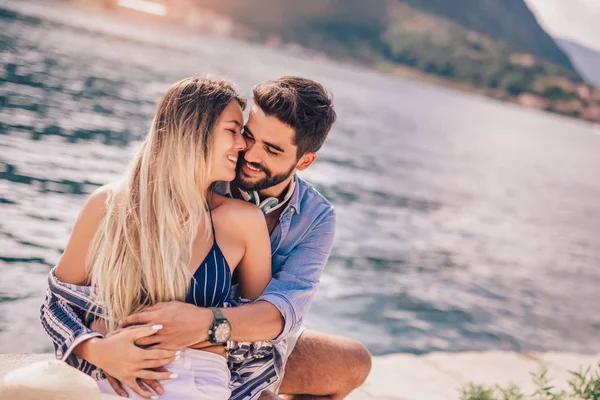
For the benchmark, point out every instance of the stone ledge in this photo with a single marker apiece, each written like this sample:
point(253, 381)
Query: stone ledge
point(8, 362)
point(438, 376)
point(435, 376)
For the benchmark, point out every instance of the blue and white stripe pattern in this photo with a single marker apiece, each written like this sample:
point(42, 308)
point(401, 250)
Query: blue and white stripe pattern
point(63, 313)
point(211, 282)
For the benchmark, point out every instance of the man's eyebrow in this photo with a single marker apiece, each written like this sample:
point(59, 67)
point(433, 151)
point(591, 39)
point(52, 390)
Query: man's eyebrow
point(274, 146)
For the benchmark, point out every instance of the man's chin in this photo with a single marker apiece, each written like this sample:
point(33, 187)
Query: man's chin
point(246, 184)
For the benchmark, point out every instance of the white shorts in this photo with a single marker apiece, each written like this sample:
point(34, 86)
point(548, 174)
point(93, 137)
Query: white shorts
point(291, 345)
point(202, 376)
point(292, 341)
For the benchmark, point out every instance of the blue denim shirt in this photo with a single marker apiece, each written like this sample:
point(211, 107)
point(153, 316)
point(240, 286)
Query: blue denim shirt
point(300, 246)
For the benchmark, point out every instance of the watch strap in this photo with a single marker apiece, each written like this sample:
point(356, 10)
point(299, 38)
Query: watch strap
point(217, 313)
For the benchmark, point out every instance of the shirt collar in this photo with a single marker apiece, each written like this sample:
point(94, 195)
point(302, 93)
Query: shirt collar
point(295, 199)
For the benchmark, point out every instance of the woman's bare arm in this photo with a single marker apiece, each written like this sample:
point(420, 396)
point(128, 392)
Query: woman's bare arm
point(254, 270)
point(71, 266)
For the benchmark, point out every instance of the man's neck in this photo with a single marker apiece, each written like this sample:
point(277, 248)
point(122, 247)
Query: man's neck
point(279, 191)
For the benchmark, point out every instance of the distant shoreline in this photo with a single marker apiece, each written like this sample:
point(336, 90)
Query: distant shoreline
point(572, 99)
point(525, 99)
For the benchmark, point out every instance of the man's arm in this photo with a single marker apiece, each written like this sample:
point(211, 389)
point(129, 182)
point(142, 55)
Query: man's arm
point(286, 300)
point(254, 322)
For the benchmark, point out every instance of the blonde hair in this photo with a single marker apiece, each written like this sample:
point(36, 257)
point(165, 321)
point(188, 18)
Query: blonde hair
point(141, 252)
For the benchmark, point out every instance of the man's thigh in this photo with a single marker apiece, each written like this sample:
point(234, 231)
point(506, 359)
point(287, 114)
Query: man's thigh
point(324, 365)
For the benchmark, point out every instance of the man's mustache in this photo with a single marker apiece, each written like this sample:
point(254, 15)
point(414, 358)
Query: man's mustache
point(242, 160)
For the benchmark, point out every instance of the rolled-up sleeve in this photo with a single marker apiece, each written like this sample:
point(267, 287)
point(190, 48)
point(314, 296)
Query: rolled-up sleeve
point(64, 324)
point(293, 287)
point(63, 314)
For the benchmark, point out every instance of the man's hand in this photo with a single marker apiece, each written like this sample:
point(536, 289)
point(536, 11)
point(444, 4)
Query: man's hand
point(184, 325)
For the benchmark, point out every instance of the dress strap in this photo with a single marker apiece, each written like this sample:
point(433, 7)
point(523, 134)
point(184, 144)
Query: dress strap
point(212, 225)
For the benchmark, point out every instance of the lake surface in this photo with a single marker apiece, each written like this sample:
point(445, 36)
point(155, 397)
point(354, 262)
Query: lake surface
point(463, 223)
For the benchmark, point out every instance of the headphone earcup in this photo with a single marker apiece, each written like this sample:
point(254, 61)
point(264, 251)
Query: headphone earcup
point(268, 204)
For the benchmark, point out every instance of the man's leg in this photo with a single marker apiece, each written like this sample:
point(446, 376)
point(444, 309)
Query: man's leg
point(324, 366)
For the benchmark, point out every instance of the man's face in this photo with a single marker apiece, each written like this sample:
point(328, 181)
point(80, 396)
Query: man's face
point(270, 157)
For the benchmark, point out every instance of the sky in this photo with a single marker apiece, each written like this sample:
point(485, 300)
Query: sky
point(577, 20)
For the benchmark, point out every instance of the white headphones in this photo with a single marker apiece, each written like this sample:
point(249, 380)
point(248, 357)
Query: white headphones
point(269, 204)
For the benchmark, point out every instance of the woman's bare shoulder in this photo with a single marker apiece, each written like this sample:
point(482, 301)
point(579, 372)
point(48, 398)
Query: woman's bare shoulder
point(96, 202)
point(234, 211)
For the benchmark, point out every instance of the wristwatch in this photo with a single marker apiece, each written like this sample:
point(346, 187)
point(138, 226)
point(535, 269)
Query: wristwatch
point(220, 330)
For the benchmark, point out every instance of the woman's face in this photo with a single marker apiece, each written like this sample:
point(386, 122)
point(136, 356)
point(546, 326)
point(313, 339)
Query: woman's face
point(227, 143)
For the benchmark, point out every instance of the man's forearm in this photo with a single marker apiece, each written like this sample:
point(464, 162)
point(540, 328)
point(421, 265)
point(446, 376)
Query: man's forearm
point(186, 325)
point(254, 322)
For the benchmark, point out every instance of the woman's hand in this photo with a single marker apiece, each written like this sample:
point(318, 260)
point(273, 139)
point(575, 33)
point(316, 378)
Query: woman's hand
point(119, 357)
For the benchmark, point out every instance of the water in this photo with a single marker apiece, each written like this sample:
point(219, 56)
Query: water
point(463, 223)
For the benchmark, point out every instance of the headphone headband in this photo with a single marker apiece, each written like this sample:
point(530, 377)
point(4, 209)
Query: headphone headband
point(269, 204)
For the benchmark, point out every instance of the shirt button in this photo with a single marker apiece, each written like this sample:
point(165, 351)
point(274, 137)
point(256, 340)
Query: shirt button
point(59, 353)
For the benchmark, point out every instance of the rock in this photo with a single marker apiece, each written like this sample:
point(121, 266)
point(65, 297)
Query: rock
point(48, 379)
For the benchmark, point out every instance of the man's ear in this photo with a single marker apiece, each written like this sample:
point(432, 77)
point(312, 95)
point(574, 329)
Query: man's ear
point(306, 161)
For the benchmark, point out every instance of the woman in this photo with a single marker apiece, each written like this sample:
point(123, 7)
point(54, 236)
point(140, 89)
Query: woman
point(160, 234)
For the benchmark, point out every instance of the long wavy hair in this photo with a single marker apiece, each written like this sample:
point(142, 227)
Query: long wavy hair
point(141, 252)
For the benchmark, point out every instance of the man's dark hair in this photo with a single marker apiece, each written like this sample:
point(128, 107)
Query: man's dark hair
point(301, 103)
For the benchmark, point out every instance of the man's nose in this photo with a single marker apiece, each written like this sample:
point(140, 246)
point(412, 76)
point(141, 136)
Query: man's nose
point(240, 143)
point(251, 154)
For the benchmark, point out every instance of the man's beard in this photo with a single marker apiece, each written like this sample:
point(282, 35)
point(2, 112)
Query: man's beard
point(269, 181)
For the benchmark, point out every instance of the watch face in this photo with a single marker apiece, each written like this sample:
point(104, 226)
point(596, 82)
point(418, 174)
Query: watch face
point(222, 332)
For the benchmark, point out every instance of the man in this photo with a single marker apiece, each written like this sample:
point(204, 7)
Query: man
point(288, 124)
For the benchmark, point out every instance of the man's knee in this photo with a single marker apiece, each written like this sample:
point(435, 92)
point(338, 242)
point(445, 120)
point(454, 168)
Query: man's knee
point(267, 395)
point(326, 365)
point(360, 363)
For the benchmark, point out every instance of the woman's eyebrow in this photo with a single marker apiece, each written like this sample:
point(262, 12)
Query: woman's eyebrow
point(235, 121)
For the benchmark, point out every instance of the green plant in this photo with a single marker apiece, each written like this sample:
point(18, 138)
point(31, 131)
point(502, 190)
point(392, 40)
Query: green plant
point(476, 392)
point(511, 392)
point(480, 392)
point(584, 384)
point(543, 389)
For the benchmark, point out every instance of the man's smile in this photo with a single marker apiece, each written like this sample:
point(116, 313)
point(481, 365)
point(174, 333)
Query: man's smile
point(250, 170)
